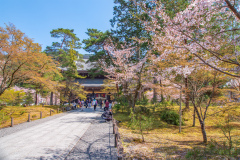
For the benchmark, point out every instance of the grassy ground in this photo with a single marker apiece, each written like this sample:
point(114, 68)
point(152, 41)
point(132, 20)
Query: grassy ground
point(20, 114)
point(165, 142)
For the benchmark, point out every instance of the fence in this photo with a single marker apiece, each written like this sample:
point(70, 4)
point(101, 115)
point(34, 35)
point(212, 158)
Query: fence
point(117, 141)
point(7, 120)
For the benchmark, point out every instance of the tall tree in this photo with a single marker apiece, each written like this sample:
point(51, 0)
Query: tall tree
point(65, 52)
point(21, 59)
point(95, 45)
point(126, 20)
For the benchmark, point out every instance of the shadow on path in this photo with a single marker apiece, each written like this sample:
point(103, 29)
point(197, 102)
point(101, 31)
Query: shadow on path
point(96, 143)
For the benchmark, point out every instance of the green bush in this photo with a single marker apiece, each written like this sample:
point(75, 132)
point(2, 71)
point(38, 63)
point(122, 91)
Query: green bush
point(170, 116)
point(117, 107)
point(213, 149)
point(194, 154)
point(222, 148)
point(142, 110)
point(144, 101)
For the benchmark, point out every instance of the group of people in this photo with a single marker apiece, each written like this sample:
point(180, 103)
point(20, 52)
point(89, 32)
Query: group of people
point(88, 103)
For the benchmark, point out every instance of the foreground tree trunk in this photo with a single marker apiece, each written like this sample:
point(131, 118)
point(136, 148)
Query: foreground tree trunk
point(51, 99)
point(204, 134)
point(202, 124)
point(194, 117)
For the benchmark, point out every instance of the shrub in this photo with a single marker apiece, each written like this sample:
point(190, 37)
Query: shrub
point(140, 122)
point(170, 116)
point(142, 110)
point(213, 149)
point(117, 107)
point(144, 101)
point(194, 154)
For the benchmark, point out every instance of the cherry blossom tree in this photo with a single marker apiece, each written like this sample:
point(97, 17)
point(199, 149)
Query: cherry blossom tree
point(125, 70)
point(206, 29)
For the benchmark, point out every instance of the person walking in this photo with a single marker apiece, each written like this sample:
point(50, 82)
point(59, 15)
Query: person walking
point(74, 105)
point(82, 104)
point(86, 103)
point(79, 102)
point(100, 103)
point(110, 104)
point(106, 105)
point(89, 103)
point(94, 102)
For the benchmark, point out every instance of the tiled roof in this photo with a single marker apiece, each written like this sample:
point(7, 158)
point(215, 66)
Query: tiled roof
point(86, 56)
point(83, 66)
point(88, 81)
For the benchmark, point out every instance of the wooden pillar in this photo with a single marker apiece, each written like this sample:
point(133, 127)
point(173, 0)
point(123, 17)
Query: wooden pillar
point(41, 115)
point(29, 117)
point(11, 121)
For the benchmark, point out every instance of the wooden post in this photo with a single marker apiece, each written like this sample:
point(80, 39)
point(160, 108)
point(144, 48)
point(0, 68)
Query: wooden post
point(41, 115)
point(58, 110)
point(50, 112)
point(29, 117)
point(113, 128)
point(11, 121)
point(116, 128)
point(116, 136)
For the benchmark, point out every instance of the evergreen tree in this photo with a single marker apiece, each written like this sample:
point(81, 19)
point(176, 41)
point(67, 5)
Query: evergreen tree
point(95, 44)
point(65, 52)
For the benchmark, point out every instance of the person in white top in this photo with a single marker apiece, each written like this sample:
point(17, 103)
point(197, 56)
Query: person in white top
point(110, 104)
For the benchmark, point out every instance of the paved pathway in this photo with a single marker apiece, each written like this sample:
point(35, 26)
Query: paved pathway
point(74, 135)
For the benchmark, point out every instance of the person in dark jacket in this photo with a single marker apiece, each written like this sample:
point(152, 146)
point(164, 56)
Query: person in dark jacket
point(100, 103)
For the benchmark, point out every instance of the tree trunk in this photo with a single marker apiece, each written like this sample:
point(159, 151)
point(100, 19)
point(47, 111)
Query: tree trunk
point(117, 89)
point(55, 99)
point(186, 95)
point(180, 111)
point(154, 91)
point(194, 117)
point(161, 90)
point(203, 131)
point(51, 99)
point(69, 100)
point(36, 98)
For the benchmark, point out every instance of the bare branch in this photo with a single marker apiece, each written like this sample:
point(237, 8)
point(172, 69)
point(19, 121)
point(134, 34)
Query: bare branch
point(234, 10)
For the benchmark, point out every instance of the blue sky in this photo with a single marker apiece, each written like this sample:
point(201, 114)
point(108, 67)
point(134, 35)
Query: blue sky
point(36, 18)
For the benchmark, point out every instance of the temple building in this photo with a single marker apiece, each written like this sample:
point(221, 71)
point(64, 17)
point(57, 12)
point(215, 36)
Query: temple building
point(93, 86)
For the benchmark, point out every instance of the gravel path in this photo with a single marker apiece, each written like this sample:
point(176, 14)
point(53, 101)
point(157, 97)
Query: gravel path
point(71, 135)
point(96, 144)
